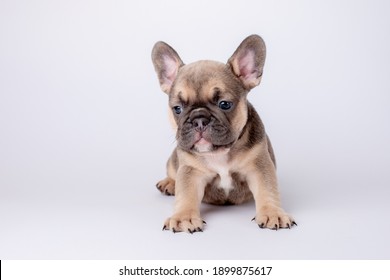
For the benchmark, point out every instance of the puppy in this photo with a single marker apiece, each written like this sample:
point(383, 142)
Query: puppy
point(223, 155)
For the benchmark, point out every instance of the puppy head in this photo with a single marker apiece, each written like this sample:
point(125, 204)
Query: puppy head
point(208, 98)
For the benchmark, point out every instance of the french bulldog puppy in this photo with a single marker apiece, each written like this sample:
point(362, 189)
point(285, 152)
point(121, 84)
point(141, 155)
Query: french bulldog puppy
point(223, 155)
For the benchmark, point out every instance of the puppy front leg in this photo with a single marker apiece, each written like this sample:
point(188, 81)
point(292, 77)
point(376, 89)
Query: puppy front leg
point(190, 185)
point(269, 213)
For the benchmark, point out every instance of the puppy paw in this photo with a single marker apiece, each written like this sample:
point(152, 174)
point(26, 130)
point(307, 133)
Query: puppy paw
point(187, 221)
point(166, 186)
point(274, 218)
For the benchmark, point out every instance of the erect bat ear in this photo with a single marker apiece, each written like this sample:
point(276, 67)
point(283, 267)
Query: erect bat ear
point(166, 63)
point(247, 62)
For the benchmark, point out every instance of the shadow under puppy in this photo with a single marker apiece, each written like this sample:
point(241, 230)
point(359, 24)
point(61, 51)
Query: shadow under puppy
point(223, 155)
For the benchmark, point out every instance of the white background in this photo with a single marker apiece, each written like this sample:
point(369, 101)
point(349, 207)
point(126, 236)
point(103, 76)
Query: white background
point(84, 133)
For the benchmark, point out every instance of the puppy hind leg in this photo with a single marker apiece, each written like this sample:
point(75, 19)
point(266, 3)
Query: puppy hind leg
point(166, 186)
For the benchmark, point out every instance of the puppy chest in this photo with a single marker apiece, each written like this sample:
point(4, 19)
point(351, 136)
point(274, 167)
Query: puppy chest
point(223, 179)
point(227, 187)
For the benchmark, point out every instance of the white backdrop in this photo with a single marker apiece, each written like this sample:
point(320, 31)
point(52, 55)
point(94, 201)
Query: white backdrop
point(84, 133)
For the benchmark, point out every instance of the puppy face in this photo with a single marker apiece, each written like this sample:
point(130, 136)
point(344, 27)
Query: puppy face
point(207, 99)
point(208, 104)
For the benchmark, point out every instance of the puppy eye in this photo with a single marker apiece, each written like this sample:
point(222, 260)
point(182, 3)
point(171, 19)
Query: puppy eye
point(177, 109)
point(225, 105)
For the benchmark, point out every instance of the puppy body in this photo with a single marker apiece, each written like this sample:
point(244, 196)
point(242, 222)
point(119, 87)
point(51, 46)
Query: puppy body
point(223, 154)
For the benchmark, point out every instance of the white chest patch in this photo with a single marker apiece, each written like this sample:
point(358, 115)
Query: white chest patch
point(219, 164)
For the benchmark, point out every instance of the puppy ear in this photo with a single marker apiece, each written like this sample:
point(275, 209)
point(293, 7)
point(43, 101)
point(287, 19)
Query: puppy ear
point(166, 63)
point(247, 62)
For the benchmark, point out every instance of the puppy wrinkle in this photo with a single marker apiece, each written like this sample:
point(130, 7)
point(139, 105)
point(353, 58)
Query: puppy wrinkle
point(197, 81)
point(198, 75)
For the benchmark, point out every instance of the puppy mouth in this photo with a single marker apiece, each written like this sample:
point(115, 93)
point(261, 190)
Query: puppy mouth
point(200, 136)
point(203, 145)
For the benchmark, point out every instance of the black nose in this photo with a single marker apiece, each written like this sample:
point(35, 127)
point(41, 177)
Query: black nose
point(200, 123)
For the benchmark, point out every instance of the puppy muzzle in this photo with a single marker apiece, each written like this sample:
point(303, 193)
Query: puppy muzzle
point(200, 118)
